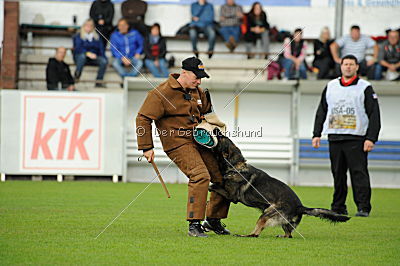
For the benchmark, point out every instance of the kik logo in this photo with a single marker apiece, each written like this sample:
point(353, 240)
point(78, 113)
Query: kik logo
point(76, 141)
point(63, 132)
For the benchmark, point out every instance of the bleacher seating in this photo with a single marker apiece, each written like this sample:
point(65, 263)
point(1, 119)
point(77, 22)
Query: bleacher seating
point(32, 70)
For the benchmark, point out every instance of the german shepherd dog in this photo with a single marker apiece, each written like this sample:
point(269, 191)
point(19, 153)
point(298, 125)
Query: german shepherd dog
point(244, 183)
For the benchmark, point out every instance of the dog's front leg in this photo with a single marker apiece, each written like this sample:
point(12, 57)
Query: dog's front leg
point(217, 188)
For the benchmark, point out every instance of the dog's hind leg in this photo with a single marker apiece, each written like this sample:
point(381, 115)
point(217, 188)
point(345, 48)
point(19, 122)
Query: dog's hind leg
point(288, 231)
point(261, 222)
point(288, 228)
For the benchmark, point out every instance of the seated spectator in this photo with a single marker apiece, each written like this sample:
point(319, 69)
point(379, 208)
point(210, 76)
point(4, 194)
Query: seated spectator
point(389, 57)
point(357, 45)
point(294, 55)
point(202, 22)
point(230, 20)
point(58, 75)
point(126, 48)
point(155, 49)
point(102, 13)
point(323, 60)
point(134, 11)
point(257, 28)
point(89, 49)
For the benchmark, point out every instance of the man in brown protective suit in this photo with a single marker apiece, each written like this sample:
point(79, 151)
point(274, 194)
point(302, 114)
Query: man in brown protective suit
point(176, 106)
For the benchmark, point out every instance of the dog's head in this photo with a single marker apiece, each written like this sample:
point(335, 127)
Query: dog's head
point(227, 149)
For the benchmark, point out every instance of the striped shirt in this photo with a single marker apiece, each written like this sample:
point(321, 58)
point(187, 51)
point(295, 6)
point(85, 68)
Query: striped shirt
point(357, 48)
point(229, 13)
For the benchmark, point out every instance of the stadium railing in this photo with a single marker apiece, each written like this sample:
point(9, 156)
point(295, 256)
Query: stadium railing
point(386, 154)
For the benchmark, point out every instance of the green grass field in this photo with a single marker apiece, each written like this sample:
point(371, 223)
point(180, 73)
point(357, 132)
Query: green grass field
point(56, 223)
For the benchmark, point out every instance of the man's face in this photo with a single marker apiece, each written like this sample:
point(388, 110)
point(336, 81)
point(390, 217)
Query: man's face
point(191, 79)
point(349, 68)
point(355, 34)
point(60, 54)
point(123, 27)
point(393, 37)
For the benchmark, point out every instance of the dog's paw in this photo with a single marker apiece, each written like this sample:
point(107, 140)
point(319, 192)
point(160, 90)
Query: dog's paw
point(284, 236)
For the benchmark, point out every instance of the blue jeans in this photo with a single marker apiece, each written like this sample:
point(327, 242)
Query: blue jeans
point(128, 72)
point(378, 71)
point(208, 31)
point(288, 64)
point(82, 59)
point(228, 31)
point(158, 72)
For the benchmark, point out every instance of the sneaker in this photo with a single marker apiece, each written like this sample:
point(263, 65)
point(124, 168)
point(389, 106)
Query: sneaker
point(362, 214)
point(100, 85)
point(77, 76)
point(229, 46)
point(211, 224)
point(196, 229)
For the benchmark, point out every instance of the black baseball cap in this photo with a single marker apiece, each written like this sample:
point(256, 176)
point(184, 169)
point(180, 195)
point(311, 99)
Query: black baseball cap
point(196, 66)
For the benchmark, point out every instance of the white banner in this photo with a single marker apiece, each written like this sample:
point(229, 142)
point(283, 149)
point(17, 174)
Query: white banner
point(62, 132)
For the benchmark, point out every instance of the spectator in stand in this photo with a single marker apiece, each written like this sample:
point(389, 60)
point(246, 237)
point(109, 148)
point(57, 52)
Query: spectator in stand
point(230, 20)
point(58, 75)
point(356, 44)
point(389, 57)
point(155, 49)
point(294, 55)
point(202, 22)
point(134, 11)
point(257, 28)
point(126, 48)
point(323, 60)
point(89, 49)
point(102, 13)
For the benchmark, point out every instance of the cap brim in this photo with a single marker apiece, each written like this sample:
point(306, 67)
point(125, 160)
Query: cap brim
point(201, 74)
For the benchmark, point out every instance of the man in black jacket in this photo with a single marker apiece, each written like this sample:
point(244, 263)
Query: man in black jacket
point(349, 114)
point(102, 13)
point(57, 71)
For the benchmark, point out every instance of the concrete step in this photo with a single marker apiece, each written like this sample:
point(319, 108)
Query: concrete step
point(213, 62)
point(41, 86)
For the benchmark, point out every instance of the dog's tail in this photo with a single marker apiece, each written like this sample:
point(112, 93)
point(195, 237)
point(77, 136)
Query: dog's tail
point(324, 214)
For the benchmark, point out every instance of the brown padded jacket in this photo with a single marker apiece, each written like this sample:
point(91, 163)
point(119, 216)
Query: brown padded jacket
point(174, 114)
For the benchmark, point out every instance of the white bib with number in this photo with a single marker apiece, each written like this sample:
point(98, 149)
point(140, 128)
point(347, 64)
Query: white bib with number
point(346, 111)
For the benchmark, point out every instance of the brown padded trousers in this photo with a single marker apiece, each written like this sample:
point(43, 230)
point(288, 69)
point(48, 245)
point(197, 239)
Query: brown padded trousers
point(200, 166)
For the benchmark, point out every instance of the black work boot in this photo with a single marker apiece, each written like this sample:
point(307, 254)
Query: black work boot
point(340, 211)
point(214, 224)
point(196, 229)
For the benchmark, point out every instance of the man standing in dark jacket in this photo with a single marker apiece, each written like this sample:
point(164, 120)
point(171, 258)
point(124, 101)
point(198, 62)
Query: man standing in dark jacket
point(134, 11)
point(349, 114)
point(102, 13)
point(57, 71)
